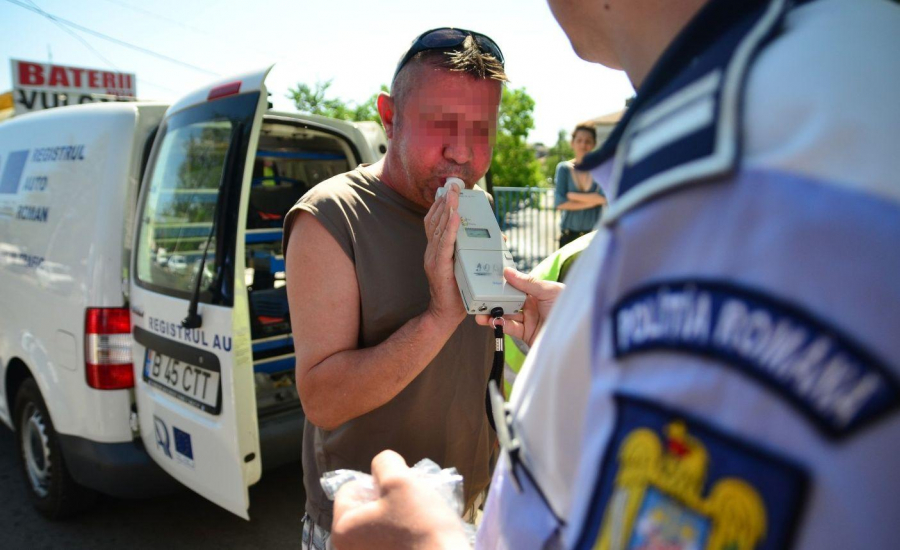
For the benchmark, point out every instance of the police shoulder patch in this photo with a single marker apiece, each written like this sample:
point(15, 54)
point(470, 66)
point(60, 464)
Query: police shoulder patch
point(834, 381)
point(669, 481)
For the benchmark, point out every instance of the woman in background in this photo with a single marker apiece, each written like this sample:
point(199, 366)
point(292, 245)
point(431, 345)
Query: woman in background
point(577, 194)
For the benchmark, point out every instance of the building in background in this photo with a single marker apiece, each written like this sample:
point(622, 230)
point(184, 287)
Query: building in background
point(605, 124)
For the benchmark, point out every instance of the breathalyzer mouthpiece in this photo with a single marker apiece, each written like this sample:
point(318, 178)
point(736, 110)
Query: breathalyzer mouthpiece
point(457, 181)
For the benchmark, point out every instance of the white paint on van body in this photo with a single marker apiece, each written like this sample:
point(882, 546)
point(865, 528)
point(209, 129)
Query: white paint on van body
point(68, 257)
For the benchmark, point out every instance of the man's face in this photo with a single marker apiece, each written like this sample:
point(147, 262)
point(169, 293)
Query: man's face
point(445, 127)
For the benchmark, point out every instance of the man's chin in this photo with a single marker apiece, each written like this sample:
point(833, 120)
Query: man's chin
point(592, 55)
point(430, 193)
point(434, 185)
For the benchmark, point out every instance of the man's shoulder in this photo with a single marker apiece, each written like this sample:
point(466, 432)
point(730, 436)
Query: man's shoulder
point(821, 98)
point(334, 202)
point(347, 188)
point(836, 57)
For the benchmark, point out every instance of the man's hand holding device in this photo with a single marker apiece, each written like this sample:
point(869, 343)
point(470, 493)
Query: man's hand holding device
point(465, 247)
point(541, 295)
point(441, 224)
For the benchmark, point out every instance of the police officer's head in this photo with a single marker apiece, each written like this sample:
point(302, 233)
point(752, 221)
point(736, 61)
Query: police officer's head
point(441, 114)
point(623, 34)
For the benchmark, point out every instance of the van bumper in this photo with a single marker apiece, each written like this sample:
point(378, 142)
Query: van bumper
point(122, 470)
point(125, 470)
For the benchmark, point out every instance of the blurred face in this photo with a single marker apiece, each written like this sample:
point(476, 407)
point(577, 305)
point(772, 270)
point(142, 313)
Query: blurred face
point(444, 127)
point(583, 143)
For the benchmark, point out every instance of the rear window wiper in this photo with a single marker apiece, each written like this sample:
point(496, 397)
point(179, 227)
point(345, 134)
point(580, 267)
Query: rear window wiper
point(194, 319)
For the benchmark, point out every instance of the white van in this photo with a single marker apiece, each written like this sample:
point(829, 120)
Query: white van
point(144, 329)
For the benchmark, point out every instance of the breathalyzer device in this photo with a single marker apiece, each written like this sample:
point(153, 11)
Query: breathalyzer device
point(481, 255)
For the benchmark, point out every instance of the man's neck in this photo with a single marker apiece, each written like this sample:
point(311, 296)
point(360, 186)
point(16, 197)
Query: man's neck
point(390, 172)
point(382, 169)
point(641, 38)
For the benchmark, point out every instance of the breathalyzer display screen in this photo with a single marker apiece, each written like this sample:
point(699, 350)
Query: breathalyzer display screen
point(477, 233)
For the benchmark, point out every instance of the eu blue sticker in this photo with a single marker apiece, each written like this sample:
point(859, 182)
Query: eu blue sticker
point(671, 481)
point(833, 380)
point(183, 444)
point(12, 173)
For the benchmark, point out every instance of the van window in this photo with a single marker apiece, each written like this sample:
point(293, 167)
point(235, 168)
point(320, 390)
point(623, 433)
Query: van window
point(180, 207)
point(291, 158)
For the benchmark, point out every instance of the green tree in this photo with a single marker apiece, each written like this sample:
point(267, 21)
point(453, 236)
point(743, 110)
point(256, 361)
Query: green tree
point(313, 100)
point(560, 151)
point(514, 163)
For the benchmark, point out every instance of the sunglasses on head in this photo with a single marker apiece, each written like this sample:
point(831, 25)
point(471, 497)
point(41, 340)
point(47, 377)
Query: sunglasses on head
point(446, 38)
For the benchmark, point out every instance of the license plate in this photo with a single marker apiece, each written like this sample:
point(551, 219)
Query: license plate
point(189, 383)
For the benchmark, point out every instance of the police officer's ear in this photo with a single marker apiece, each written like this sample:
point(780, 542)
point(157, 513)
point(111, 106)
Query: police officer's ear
point(386, 110)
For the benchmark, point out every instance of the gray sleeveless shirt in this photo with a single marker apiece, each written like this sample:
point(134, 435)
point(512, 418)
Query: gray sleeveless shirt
point(441, 414)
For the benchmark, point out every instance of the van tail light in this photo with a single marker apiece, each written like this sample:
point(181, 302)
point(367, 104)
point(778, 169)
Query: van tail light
point(224, 90)
point(107, 348)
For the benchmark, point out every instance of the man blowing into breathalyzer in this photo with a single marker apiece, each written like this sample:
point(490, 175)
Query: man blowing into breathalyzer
point(386, 356)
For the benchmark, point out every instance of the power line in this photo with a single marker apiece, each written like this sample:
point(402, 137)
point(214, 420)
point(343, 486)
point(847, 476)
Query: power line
point(155, 15)
point(98, 54)
point(183, 25)
point(110, 38)
point(76, 36)
point(158, 16)
point(160, 86)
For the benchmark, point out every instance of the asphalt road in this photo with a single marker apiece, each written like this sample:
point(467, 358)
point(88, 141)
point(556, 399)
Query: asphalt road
point(183, 520)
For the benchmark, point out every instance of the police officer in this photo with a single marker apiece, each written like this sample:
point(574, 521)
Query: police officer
point(732, 381)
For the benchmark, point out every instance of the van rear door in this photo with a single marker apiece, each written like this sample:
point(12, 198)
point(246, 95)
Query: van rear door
point(194, 380)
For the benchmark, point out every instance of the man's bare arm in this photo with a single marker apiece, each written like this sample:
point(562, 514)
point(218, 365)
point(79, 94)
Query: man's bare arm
point(336, 380)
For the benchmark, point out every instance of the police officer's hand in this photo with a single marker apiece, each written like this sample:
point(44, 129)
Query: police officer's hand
point(540, 297)
point(406, 514)
point(441, 224)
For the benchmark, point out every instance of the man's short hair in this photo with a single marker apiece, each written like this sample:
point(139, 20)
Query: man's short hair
point(468, 58)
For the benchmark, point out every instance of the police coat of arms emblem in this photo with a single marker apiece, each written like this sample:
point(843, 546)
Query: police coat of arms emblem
point(671, 483)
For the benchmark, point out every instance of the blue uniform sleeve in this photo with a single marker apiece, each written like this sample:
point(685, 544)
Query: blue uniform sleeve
point(562, 182)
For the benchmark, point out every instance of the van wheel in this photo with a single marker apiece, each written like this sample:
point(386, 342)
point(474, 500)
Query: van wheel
point(52, 490)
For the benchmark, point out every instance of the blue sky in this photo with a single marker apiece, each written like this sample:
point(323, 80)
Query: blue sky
point(353, 42)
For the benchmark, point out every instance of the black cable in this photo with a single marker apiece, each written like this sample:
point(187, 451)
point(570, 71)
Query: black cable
point(497, 367)
point(108, 38)
point(75, 35)
point(194, 320)
point(196, 30)
point(95, 51)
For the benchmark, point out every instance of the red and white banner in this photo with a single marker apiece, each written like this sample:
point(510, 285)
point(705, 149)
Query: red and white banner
point(39, 86)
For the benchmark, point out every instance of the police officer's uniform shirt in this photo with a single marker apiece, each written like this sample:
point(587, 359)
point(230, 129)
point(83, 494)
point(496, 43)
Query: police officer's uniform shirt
point(722, 370)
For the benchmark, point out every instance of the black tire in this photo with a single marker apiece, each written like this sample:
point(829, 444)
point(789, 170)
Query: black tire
point(50, 486)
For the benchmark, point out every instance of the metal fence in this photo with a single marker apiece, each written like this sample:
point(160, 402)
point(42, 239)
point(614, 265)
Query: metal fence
point(530, 221)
